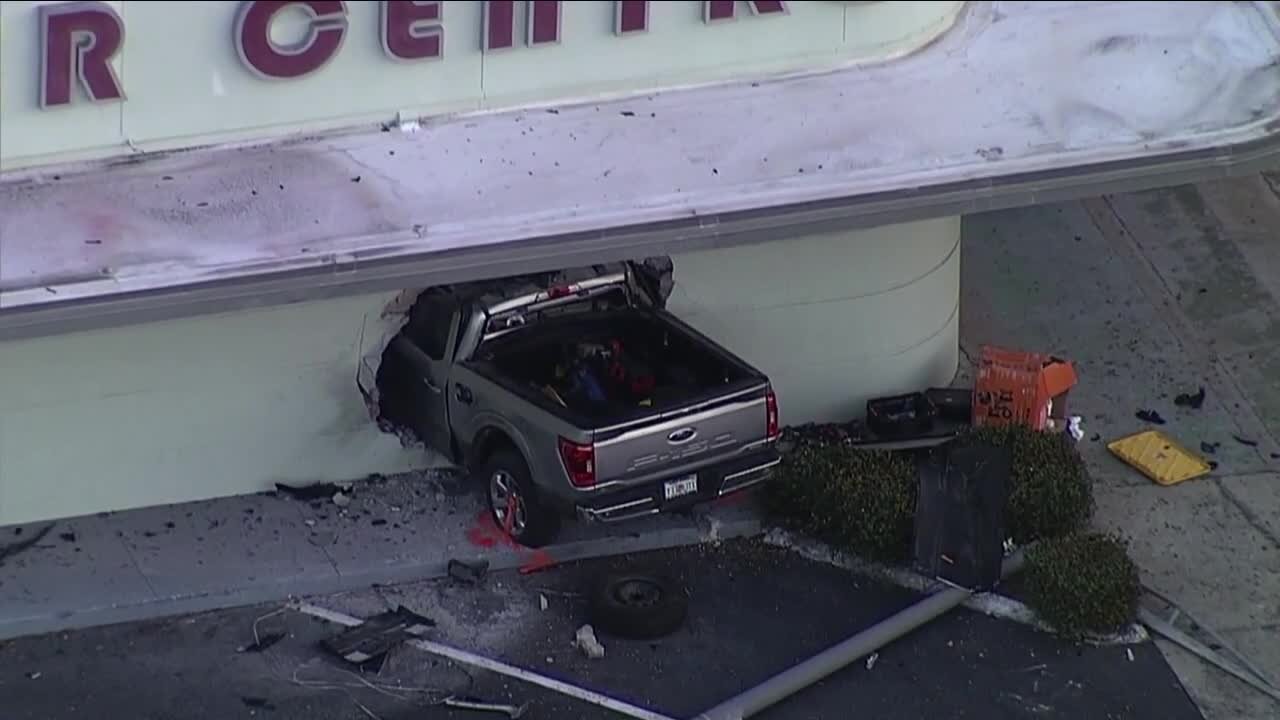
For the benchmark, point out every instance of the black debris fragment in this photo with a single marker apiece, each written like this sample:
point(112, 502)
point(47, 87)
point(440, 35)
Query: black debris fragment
point(1209, 447)
point(319, 491)
point(378, 522)
point(1192, 400)
point(169, 524)
point(1275, 456)
point(469, 573)
point(1213, 465)
point(355, 179)
point(1245, 441)
point(17, 531)
point(257, 703)
point(68, 537)
point(1096, 437)
point(1150, 416)
point(10, 550)
point(263, 642)
point(627, 113)
point(376, 636)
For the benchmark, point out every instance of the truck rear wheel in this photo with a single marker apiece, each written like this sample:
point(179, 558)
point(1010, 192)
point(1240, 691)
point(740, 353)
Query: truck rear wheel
point(514, 503)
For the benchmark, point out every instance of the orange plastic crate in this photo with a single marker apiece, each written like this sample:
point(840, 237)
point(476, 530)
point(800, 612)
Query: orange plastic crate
point(1020, 388)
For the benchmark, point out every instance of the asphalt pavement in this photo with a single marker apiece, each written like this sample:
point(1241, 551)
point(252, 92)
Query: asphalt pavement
point(754, 611)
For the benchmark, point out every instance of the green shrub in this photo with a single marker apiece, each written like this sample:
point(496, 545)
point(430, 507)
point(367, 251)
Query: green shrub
point(858, 501)
point(1049, 490)
point(1083, 583)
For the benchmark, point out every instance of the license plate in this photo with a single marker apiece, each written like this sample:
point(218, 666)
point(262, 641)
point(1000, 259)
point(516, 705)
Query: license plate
point(673, 489)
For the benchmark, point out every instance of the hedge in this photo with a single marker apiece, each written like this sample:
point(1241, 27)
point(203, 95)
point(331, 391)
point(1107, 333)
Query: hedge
point(861, 502)
point(1050, 493)
point(1083, 584)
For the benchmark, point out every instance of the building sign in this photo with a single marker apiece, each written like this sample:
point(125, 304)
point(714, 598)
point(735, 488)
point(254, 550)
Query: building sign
point(79, 39)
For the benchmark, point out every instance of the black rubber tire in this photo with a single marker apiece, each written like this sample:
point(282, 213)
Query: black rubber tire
point(542, 523)
point(610, 610)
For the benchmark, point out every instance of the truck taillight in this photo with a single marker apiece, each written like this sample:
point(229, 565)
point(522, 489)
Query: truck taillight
point(579, 462)
point(771, 415)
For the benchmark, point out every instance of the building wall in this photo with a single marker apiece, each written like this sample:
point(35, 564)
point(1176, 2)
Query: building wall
point(202, 407)
point(185, 85)
point(228, 404)
point(834, 319)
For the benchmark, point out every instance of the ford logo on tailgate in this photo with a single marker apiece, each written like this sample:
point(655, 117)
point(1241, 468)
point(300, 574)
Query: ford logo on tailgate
point(683, 435)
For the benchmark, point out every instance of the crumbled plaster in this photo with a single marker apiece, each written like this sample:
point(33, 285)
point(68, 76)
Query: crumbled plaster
point(376, 334)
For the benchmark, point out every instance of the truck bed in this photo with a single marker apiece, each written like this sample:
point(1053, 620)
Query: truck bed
point(615, 367)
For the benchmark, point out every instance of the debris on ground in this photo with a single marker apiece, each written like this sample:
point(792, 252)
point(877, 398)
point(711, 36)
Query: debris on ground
point(1245, 441)
point(1208, 447)
point(262, 643)
point(871, 660)
point(257, 703)
point(586, 641)
point(1190, 400)
point(34, 675)
point(341, 500)
point(542, 602)
point(318, 491)
point(637, 606)
point(67, 537)
point(1159, 457)
point(13, 549)
point(469, 573)
point(1073, 428)
point(511, 711)
point(1150, 416)
point(375, 637)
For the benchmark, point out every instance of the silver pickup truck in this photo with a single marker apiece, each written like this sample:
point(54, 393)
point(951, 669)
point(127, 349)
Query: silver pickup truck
point(577, 393)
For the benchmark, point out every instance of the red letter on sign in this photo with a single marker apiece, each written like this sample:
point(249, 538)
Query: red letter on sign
point(542, 23)
point(630, 16)
point(499, 24)
point(713, 10)
point(78, 40)
point(411, 29)
point(267, 59)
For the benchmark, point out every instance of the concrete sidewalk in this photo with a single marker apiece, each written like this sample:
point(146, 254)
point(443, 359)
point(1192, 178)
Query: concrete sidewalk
point(177, 559)
point(1153, 295)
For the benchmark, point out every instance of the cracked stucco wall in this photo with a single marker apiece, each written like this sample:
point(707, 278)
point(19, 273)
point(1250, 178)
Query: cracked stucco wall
point(205, 407)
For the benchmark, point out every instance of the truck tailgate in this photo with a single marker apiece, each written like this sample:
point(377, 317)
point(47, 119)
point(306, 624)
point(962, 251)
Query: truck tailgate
point(684, 439)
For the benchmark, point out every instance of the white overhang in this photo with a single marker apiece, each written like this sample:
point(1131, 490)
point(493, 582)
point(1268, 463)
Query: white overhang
point(1021, 102)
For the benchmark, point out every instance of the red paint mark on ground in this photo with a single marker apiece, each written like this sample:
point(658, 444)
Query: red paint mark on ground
point(485, 533)
point(537, 560)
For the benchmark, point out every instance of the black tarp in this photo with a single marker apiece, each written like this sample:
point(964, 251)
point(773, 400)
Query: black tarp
point(959, 532)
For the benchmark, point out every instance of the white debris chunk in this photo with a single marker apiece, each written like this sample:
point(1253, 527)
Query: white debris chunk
point(542, 602)
point(871, 661)
point(1073, 427)
point(586, 641)
point(341, 500)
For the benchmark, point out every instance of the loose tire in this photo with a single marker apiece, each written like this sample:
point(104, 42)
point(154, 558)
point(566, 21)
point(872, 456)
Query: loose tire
point(638, 606)
point(513, 501)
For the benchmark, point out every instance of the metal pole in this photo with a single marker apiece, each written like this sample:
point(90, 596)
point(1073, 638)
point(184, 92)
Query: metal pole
point(801, 676)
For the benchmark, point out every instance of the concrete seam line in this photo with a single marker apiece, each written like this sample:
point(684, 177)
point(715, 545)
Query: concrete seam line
point(993, 604)
point(496, 666)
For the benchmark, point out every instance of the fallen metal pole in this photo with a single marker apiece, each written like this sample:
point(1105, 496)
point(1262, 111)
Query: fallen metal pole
point(801, 676)
point(497, 666)
point(1188, 643)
